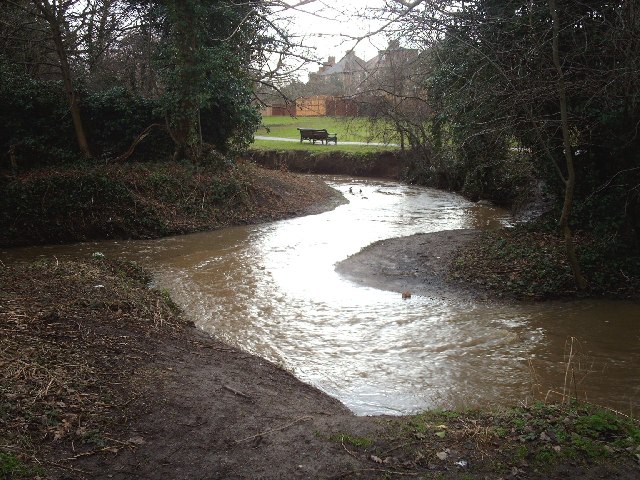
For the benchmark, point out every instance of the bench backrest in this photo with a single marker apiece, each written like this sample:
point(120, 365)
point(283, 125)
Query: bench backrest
point(317, 134)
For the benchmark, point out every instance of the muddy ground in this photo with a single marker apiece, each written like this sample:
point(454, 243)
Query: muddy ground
point(417, 264)
point(104, 378)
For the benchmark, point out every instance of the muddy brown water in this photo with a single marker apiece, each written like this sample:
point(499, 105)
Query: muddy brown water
point(272, 290)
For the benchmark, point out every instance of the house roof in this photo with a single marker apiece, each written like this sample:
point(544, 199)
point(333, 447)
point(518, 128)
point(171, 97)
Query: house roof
point(386, 58)
point(349, 63)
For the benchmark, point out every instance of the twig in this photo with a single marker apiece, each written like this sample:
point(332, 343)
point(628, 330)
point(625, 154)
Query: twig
point(48, 462)
point(413, 442)
point(237, 392)
point(566, 375)
point(266, 432)
point(379, 470)
point(347, 450)
point(137, 140)
point(93, 452)
point(133, 398)
point(65, 467)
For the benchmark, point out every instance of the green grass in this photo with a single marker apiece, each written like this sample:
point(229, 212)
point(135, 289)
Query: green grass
point(352, 440)
point(348, 129)
point(544, 437)
point(318, 147)
point(12, 467)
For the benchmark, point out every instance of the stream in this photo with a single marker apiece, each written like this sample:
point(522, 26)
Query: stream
point(272, 290)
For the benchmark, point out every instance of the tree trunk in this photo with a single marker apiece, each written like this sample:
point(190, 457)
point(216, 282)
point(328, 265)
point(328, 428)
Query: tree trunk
point(50, 16)
point(183, 120)
point(570, 182)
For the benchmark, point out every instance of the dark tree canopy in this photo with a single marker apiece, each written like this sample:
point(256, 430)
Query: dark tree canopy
point(187, 66)
point(493, 89)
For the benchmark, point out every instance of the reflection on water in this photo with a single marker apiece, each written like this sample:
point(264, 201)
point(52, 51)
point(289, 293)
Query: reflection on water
point(272, 290)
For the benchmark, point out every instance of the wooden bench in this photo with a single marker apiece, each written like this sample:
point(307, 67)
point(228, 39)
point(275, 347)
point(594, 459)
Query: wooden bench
point(313, 134)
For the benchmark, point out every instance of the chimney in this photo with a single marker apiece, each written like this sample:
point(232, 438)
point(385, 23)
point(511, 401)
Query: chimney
point(331, 61)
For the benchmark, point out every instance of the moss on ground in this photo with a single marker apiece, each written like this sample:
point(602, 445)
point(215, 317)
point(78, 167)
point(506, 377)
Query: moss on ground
point(539, 441)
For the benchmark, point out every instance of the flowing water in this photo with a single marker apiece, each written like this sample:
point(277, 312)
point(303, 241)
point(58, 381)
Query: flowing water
point(272, 290)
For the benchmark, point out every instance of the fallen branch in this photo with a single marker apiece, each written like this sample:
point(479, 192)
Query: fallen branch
point(65, 467)
point(237, 392)
point(267, 432)
point(402, 445)
point(137, 141)
point(347, 450)
point(93, 452)
point(377, 470)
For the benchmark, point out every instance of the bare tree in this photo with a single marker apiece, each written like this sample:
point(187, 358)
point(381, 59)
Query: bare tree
point(570, 180)
point(548, 76)
point(55, 14)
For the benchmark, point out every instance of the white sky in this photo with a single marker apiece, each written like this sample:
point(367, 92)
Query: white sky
point(328, 26)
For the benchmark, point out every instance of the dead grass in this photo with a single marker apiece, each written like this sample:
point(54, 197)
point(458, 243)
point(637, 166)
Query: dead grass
point(71, 337)
point(81, 361)
point(147, 201)
point(524, 263)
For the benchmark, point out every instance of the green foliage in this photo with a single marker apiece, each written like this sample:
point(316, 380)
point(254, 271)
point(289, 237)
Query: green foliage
point(493, 87)
point(115, 117)
point(208, 89)
point(81, 204)
point(12, 467)
point(355, 441)
point(228, 117)
point(602, 424)
point(128, 201)
point(197, 58)
point(541, 440)
point(34, 117)
point(530, 262)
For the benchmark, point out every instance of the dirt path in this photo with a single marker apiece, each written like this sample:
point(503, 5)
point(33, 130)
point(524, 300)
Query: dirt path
point(211, 411)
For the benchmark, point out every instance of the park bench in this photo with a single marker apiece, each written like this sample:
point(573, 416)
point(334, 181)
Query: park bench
point(313, 134)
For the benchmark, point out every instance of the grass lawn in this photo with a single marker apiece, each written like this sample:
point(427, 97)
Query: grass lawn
point(349, 129)
point(318, 147)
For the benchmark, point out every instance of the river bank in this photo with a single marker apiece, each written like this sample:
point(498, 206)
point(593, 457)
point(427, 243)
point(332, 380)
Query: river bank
point(149, 200)
point(516, 264)
point(105, 378)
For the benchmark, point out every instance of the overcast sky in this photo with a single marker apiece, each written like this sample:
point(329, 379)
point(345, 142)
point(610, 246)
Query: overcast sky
point(327, 26)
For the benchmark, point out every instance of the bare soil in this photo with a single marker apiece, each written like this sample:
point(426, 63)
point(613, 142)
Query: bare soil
point(101, 377)
point(417, 264)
